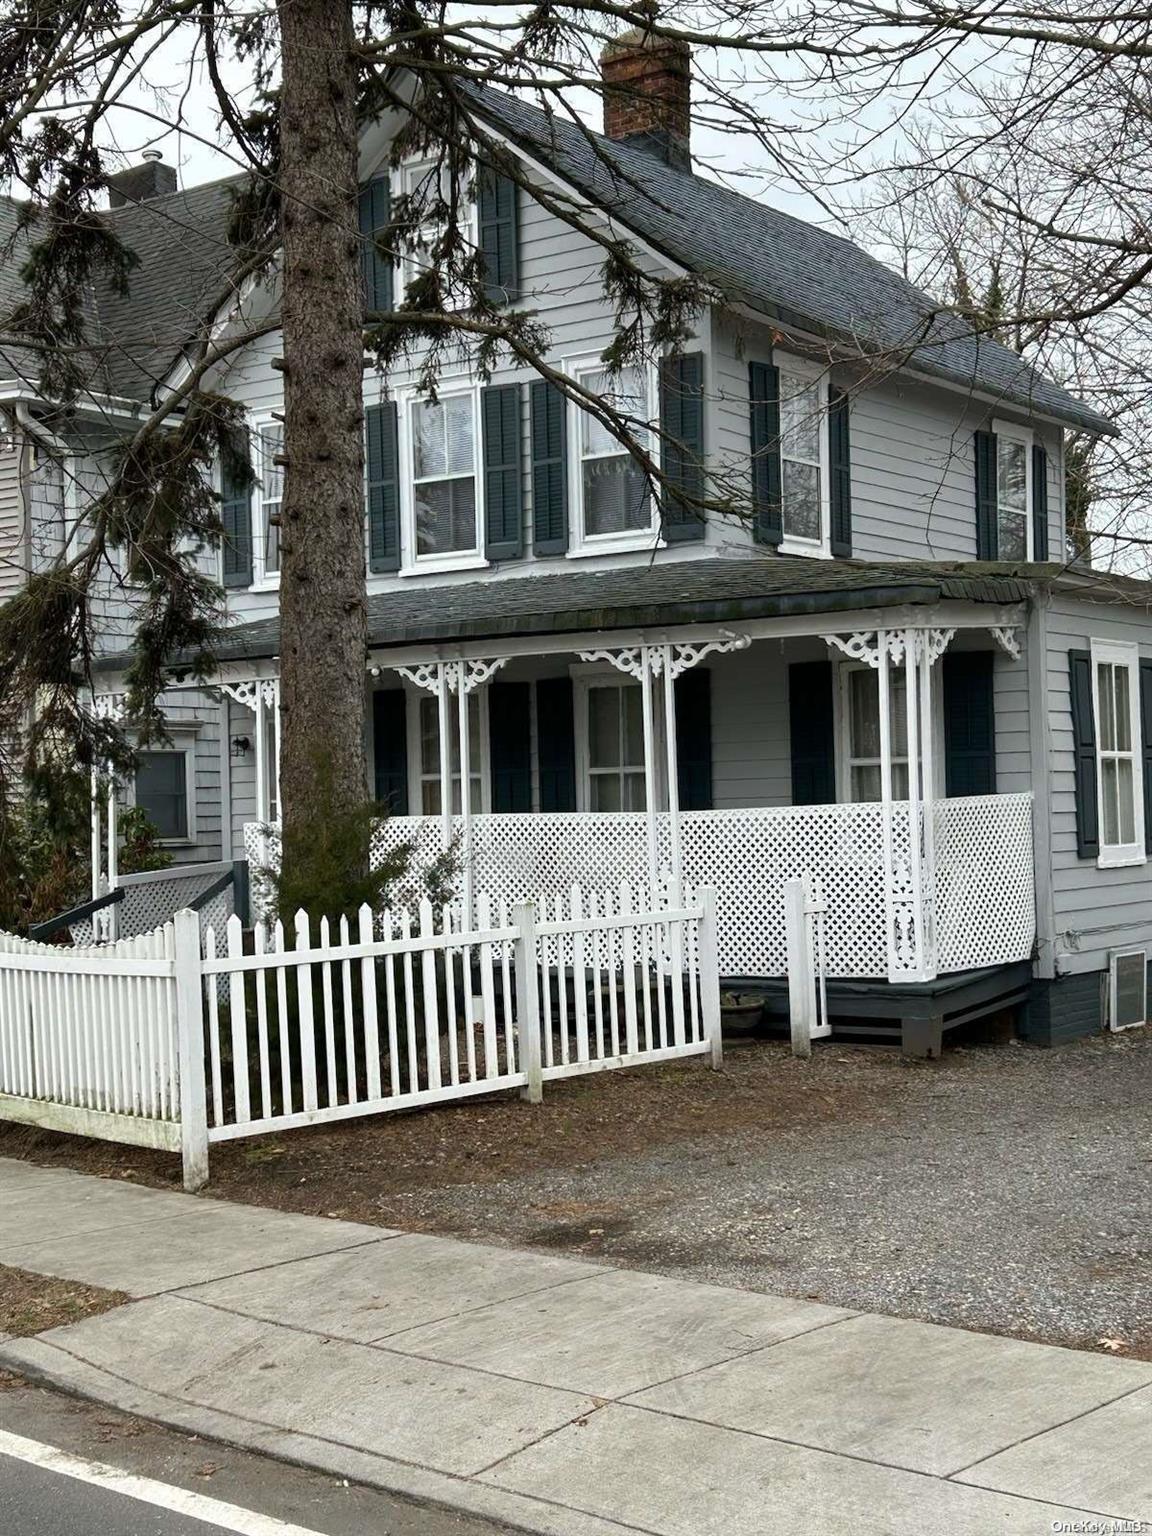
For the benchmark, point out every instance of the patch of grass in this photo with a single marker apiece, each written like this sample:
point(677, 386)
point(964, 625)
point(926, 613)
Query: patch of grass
point(31, 1303)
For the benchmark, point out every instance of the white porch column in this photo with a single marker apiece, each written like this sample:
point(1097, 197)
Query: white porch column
point(908, 842)
point(97, 836)
point(462, 679)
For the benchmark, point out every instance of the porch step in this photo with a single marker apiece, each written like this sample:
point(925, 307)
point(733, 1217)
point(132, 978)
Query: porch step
point(914, 1015)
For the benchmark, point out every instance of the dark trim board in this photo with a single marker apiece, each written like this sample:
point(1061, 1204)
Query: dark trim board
point(917, 1014)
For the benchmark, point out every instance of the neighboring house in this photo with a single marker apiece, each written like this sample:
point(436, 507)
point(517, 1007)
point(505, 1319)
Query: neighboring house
point(876, 671)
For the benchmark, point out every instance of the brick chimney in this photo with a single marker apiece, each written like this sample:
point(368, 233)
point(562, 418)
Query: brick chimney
point(141, 183)
point(648, 95)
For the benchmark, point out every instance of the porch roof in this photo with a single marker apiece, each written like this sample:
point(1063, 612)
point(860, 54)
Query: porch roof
point(660, 594)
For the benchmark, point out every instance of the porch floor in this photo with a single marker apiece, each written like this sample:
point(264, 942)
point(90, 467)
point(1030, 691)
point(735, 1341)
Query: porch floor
point(914, 1014)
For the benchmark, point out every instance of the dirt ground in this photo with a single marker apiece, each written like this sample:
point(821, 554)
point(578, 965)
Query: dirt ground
point(30, 1303)
point(1004, 1188)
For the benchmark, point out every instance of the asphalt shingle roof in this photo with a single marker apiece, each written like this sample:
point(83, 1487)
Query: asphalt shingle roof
point(661, 594)
point(779, 265)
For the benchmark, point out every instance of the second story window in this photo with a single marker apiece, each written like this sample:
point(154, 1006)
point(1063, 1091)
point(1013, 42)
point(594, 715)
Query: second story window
point(615, 497)
point(803, 453)
point(444, 475)
point(271, 447)
point(1012, 498)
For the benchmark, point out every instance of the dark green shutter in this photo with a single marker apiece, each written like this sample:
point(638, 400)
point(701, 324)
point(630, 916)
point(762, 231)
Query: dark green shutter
point(682, 446)
point(382, 462)
point(812, 731)
point(549, 408)
point(987, 513)
point(1084, 754)
point(969, 723)
point(694, 739)
point(390, 749)
point(556, 738)
point(1146, 746)
point(840, 466)
point(503, 472)
point(510, 745)
point(764, 429)
point(1039, 503)
point(236, 517)
point(499, 207)
point(375, 215)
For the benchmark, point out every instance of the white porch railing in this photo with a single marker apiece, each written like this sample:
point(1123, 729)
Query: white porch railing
point(984, 901)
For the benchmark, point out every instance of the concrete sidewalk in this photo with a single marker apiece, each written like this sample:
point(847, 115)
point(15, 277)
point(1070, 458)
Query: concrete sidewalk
point(563, 1397)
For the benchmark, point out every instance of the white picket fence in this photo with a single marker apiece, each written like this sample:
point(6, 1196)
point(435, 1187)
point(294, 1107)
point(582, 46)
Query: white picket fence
point(88, 1039)
point(176, 1042)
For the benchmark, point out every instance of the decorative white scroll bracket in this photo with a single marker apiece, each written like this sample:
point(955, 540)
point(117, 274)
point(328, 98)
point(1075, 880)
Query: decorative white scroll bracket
point(458, 676)
point(679, 656)
point(864, 645)
point(1007, 637)
point(253, 690)
point(108, 706)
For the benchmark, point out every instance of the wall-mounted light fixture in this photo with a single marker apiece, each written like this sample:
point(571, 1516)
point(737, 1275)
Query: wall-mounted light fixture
point(240, 745)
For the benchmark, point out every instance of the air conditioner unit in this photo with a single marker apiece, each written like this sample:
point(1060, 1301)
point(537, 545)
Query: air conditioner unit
point(1128, 988)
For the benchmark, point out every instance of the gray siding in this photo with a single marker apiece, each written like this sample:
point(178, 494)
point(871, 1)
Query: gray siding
point(1094, 910)
point(13, 541)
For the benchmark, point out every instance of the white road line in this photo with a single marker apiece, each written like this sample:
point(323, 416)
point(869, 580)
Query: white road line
point(180, 1501)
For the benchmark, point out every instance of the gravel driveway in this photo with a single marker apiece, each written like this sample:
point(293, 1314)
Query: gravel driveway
point(1005, 1189)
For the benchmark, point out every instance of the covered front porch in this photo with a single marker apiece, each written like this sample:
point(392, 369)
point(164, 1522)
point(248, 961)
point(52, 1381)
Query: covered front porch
point(873, 752)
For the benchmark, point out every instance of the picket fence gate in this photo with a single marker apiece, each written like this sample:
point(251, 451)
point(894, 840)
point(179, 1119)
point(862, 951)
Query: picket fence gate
point(180, 1042)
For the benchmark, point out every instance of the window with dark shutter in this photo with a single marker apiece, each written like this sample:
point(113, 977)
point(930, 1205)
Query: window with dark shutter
point(1084, 754)
point(510, 745)
point(987, 531)
point(549, 468)
point(236, 517)
point(764, 428)
point(498, 199)
point(1146, 746)
point(382, 464)
point(682, 446)
point(812, 731)
point(1039, 503)
point(694, 739)
point(390, 749)
point(840, 469)
point(556, 738)
point(503, 472)
point(375, 215)
point(969, 723)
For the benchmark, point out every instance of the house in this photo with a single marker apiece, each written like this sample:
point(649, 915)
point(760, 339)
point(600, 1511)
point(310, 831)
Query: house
point(884, 677)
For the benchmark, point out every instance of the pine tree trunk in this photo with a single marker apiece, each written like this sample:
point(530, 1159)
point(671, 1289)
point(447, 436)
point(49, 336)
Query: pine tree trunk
point(323, 620)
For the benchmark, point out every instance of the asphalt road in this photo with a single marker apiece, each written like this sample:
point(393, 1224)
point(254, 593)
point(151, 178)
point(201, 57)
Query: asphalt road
point(253, 1496)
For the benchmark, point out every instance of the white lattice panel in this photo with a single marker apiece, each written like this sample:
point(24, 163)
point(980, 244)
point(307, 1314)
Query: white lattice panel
point(985, 887)
point(150, 900)
point(985, 911)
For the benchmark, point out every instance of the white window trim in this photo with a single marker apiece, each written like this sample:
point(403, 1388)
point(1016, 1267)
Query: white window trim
point(406, 268)
point(843, 730)
point(416, 774)
point(1024, 435)
point(412, 564)
point(180, 740)
point(263, 580)
point(813, 373)
point(584, 678)
point(1119, 653)
point(631, 540)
